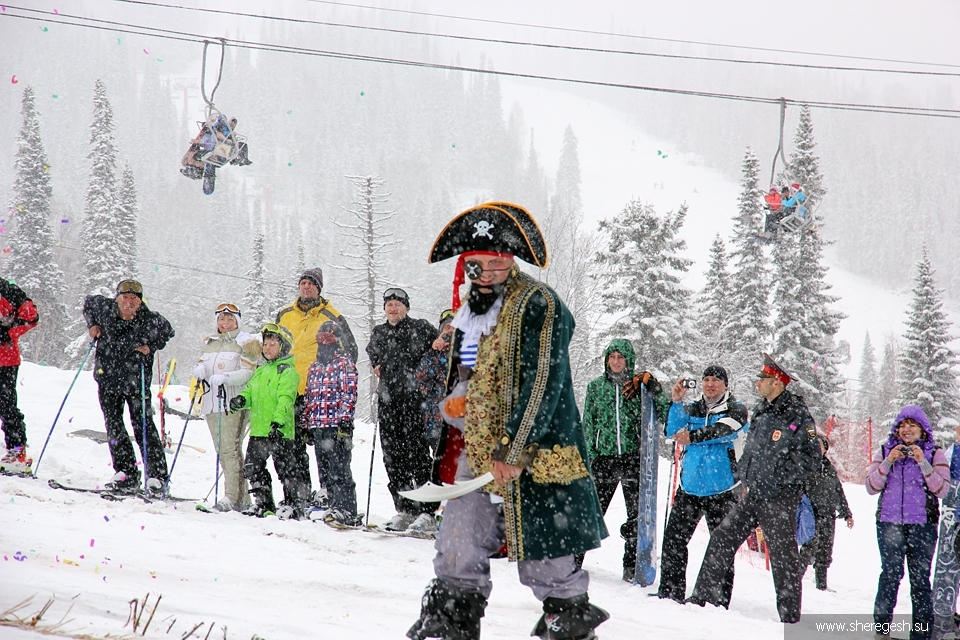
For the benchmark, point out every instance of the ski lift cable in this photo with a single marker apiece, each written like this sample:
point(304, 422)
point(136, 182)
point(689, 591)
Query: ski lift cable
point(543, 45)
point(639, 37)
point(203, 75)
point(120, 27)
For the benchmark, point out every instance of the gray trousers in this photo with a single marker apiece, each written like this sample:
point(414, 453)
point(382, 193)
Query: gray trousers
point(473, 529)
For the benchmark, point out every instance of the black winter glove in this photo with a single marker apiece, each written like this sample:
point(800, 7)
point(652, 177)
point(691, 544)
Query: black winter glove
point(632, 386)
point(276, 435)
point(307, 435)
point(237, 403)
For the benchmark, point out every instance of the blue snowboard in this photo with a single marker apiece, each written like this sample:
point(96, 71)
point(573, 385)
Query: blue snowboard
point(947, 568)
point(646, 572)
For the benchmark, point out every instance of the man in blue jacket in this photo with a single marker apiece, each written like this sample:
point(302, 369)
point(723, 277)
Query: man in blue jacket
point(711, 429)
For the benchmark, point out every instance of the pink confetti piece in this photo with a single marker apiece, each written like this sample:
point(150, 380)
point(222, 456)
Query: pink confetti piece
point(106, 519)
point(13, 80)
point(58, 558)
point(142, 527)
point(56, 12)
point(19, 556)
point(81, 557)
point(5, 559)
point(91, 542)
point(146, 52)
point(64, 221)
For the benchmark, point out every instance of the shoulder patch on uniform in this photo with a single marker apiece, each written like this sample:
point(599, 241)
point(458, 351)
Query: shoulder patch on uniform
point(811, 431)
point(776, 435)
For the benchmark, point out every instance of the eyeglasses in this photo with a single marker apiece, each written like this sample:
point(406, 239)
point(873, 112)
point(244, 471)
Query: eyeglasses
point(228, 307)
point(130, 286)
point(395, 293)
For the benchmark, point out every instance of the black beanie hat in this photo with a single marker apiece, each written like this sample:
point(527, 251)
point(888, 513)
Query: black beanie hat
point(314, 275)
point(716, 371)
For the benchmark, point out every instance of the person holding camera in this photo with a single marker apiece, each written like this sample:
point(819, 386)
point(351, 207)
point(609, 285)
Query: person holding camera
point(911, 473)
point(711, 431)
point(779, 456)
point(611, 422)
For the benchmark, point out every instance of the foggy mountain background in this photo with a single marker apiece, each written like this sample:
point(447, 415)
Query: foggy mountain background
point(444, 140)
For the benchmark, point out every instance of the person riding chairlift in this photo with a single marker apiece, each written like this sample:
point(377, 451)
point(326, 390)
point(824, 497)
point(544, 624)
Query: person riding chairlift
point(212, 131)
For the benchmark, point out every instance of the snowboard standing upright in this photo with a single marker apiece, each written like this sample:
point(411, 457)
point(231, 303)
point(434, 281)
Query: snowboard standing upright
point(947, 569)
point(646, 572)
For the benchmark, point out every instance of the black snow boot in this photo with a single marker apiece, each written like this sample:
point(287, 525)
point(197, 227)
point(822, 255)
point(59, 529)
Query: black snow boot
point(820, 575)
point(449, 613)
point(569, 619)
point(262, 500)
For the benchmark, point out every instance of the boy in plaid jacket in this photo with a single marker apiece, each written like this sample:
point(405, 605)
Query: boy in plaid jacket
point(330, 401)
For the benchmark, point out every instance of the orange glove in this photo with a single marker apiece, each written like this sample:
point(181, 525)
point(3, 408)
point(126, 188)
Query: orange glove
point(632, 386)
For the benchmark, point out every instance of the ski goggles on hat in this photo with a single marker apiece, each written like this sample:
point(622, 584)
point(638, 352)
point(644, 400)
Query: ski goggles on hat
point(447, 316)
point(272, 327)
point(130, 286)
point(395, 294)
point(228, 307)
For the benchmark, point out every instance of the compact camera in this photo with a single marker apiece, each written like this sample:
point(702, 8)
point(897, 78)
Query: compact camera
point(905, 450)
point(689, 384)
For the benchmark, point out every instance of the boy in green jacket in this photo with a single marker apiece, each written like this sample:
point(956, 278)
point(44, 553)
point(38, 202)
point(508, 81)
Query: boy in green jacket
point(270, 396)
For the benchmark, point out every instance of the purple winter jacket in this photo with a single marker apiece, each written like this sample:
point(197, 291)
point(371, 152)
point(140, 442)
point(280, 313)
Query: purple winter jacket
point(903, 499)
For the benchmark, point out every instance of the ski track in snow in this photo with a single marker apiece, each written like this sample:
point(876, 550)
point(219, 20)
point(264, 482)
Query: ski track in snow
point(286, 579)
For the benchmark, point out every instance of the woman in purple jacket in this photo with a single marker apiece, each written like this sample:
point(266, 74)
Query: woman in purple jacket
point(910, 473)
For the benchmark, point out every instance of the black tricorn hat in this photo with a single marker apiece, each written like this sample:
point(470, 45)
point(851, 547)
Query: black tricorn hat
point(498, 227)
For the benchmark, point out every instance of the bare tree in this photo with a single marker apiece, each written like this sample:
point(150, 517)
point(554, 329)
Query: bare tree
point(369, 234)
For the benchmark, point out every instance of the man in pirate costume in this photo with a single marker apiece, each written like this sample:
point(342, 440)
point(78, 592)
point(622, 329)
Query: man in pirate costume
point(513, 405)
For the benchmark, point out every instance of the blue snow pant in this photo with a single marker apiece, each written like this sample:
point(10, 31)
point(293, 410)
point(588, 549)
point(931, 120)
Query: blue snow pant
point(334, 448)
point(916, 542)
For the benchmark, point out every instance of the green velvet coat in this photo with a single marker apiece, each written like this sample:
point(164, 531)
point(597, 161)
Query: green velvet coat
point(520, 403)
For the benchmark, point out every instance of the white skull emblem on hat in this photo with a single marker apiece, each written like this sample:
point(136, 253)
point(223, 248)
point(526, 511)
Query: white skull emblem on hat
point(482, 229)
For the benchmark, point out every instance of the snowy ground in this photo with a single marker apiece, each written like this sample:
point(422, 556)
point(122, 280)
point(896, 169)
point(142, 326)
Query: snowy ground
point(284, 579)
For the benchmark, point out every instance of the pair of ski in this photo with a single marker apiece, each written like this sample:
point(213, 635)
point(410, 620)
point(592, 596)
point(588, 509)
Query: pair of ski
point(373, 528)
point(114, 495)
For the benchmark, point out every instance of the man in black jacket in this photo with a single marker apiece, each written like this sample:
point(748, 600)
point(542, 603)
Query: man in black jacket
point(779, 457)
point(128, 335)
point(395, 350)
point(829, 503)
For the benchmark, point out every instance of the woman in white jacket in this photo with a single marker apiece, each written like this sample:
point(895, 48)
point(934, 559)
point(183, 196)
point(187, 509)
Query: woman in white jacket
point(228, 360)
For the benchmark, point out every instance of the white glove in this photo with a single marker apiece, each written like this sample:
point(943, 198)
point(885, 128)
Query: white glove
point(217, 379)
point(200, 372)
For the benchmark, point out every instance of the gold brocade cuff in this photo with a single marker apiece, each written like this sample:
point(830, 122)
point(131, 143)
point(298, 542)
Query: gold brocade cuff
point(560, 465)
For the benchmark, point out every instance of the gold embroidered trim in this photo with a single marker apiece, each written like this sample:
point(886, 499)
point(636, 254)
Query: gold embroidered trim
point(543, 371)
point(560, 465)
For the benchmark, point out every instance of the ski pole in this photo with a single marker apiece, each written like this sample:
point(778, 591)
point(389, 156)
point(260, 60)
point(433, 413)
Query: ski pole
point(666, 511)
point(373, 451)
point(143, 420)
point(219, 475)
point(67, 395)
point(221, 396)
point(193, 395)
